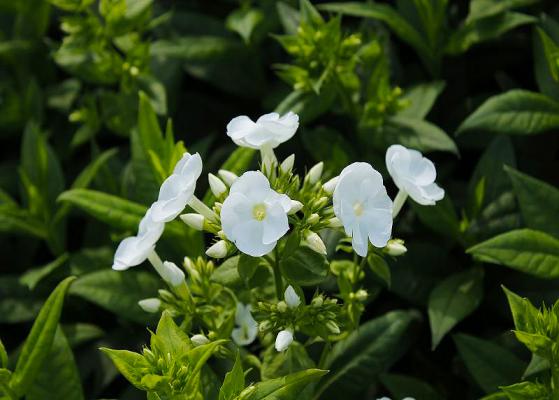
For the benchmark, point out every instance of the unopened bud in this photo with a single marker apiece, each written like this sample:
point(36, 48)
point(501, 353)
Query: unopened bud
point(395, 247)
point(265, 326)
point(216, 185)
point(315, 242)
point(199, 340)
point(282, 306)
point(291, 297)
point(287, 165)
point(334, 223)
point(172, 274)
point(317, 301)
point(330, 186)
point(283, 340)
point(315, 173)
point(195, 221)
point(313, 219)
point(227, 176)
point(361, 295)
point(151, 305)
point(333, 327)
point(217, 250)
point(296, 206)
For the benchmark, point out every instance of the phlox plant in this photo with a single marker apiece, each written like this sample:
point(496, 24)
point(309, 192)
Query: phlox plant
point(282, 236)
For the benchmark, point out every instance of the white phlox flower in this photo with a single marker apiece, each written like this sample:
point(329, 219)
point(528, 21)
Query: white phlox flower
point(247, 328)
point(270, 130)
point(284, 339)
point(291, 298)
point(178, 189)
point(151, 305)
point(413, 174)
point(363, 207)
point(254, 216)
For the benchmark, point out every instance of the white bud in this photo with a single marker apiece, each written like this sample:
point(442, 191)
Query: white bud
point(291, 297)
point(296, 206)
point(171, 274)
point(287, 165)
point(361, 295)
point(315, 173)
point(334, 223)
point(227, 176)
point(283, 340)
point(199, 340)
point(395, 248)
point(315, 242)
point(217, 250)
point(216, 185)
point(330, 186)
point(195, 221)
point(151, 305)
point(313, 218)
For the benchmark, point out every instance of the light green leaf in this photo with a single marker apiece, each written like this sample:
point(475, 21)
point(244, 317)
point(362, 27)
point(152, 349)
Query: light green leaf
point(244, 21)
point(523, 312)
point(3, 356)
point(169, 338)
point(421, 97)
point(490, 365)
point(539, 202)
point(289, 17)
point(525, 250)
point(304, 267)
point(452, 300)
point(551, 52)
point(33, 276)
point(516, 112)
point(234, 381)
point(487, 8)
point(59, 377)
point(401, 386)
point(356, 361)
point(38, 343)
point(284, 388)
point(131, 365)
point(118, 292)
point(527, 391)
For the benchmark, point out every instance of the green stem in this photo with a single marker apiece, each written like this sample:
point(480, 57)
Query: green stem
point(8, 392)
point(325, 352)
point(277, 275)
point(399, 202)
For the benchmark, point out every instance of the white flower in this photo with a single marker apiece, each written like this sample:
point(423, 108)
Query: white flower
point(283, 339)
point(172, 274)
point(315, 173)
point(178, 189)
point(270, 130)
point(315, 243)
point(217, 250)
point(363, 207)
point(216, 185)
point(199, 339)
point(195, 221)
point(227, 176)
point(291, 298)
point(395, 247)
point(247, 328)
point(134, 250)
point(295, 207)
point(150, 305)
point(330, 186)
point(287, 165)
point(413, 174)
point(254, 216)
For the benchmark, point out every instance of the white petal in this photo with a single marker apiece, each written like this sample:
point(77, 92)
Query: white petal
point(291, 297)
point(434, 192)
point(359, 241)
point(422, 171)
point(167, 210)
point(275, 225)
point(253, 184)
point(283, 340)
point(244, 335)
point(247, 236)
point(130, 252)
point(235, 209)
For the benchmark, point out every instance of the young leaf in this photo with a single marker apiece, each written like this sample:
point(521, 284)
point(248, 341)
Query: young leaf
point(452, 300)
point(527, 390)
point(490, 365)
point(539, 202)
point(59, 377)
point(169, 338)
point(516, 112)
point(130, 364)
point(3, 356)
point(234, 381)
point(38, 343)
point(526, 250)
point(523, 312)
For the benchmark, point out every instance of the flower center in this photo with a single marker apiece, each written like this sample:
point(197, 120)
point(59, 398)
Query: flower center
point(358, 208)
point(259, 212)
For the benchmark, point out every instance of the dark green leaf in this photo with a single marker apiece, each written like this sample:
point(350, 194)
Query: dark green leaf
point(284, 388)
point(304, 267)
point(401, 386)
point(234, 381)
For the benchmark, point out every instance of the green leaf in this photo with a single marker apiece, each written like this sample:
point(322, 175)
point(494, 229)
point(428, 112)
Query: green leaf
point(89, 173)
point(169, 338)
point(401, 386)
point(118, 292)
point(539, 202)
point(527, 391)
point(38, 343)
point(247, 266)
point(245, 21)
point(543, 61)
point(308, 105)
point(304, 267)
point(440, 217)
point(490, 365)
point(526, 250)
point(234, 381)
point(59, 377)
point(452, 300)
point(284, 388)
point(416, 133)
point(379, 267)
point(480, 9)
point(3, 356)
point(289, 17)
point(15, 220)
point(516, 112)
point(356, 361)
point(551, 52)
point(523, 312)
point(71, 5)
point(33, 276)
point(421, 98)
point(131, 365)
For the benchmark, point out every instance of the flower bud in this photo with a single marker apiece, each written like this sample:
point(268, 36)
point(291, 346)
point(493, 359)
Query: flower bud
point(395, 247)
point(330, 186)
point(227, 176)
point(191, 269)
point(317, 301)
point(287, 165)
point(282, 306)
point(291, 297)
point(151, 305)
point(315, 173)
point(296, 206)
point(333, 327)
point(216, 185)
point(283, 340)
point(217, 250)
point(334, 223)
point(195, 221)
point(172, 274)
point(361, 295)
point(315, 242)
point(313, 219)
point(265, 326)
point(199, 340)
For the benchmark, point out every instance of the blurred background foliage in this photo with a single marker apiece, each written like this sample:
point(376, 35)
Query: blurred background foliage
point(98, 99)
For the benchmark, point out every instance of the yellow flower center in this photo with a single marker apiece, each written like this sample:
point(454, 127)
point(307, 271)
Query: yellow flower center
point(358, 208)
point(259, 212)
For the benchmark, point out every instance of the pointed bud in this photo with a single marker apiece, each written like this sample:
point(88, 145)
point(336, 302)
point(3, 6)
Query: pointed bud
point(313, 219)
point(216, 185)
point(315, 242)
point(296, 206)
point(395, 247)
point(334, 223)
point(227, 176)
point(315, 173)
point(283, 340)
point(199, 340)
point(361, 295)
point(172, 274)
point(218, 250)
point(287, 165)
point(318, 301)
point(330, 186)
point(333, 327)
point(151, 305)
point(195, 221)
point(291, 297)
point(282, 306)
